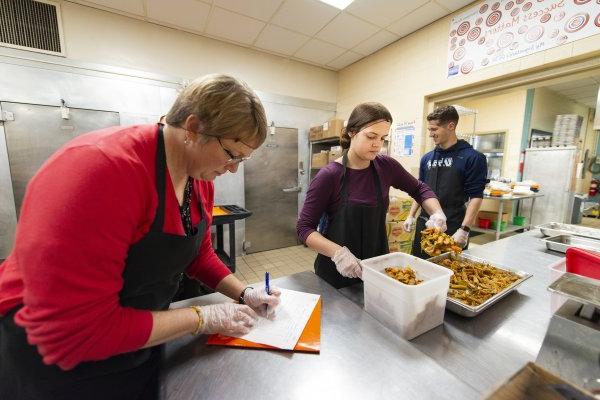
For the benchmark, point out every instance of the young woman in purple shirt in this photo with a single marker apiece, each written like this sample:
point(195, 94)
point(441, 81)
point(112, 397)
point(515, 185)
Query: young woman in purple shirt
point(352, 194)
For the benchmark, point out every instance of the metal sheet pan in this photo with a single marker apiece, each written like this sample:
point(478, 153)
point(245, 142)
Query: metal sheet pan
point(472, 311)
point(557, 228)
point(563, 242)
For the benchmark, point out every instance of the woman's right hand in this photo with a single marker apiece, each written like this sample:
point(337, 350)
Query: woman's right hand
point(228, 319)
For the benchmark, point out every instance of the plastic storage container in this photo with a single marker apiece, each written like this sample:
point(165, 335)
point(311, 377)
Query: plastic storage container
point(519, 220)
point(556, 270)
point(408, 310)
point(485, 223)
point(583, 262)
point(495, 225)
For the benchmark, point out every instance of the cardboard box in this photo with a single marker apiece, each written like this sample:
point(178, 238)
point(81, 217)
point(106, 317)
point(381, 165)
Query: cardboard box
point(398, 209)
point(492, 216)
point(334, 153)
point(397, 234)
point(319, 160)
point(400, 247)
point(315, 133)
point(532, 382)
point(333, 128)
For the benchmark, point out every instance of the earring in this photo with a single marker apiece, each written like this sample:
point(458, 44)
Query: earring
point(187, 140)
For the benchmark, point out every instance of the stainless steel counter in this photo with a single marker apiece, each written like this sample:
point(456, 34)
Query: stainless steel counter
point(361, 359)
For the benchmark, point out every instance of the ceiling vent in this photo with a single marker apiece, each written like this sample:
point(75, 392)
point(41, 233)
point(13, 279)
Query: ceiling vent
point(31, 25)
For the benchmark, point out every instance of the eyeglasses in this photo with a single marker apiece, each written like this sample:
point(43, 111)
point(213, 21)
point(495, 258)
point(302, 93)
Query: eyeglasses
point(232, 159)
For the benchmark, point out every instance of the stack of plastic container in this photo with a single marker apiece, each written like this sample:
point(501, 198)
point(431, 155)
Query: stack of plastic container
point(566, 129)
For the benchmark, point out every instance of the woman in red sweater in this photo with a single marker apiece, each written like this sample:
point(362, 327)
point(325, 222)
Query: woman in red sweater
point(107, 226)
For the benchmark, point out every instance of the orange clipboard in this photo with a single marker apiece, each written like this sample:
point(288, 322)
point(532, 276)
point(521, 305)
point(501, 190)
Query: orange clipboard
point(309, 341)
point(219, 211)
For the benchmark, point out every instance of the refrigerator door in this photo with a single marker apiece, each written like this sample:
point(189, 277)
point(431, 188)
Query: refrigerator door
point(553, 168)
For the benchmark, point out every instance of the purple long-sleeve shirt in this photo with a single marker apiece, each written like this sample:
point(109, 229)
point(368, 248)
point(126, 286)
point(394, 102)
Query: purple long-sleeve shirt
point(323, 194)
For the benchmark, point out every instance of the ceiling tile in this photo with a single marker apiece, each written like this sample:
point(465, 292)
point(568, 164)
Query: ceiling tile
point(188, 14)
point(375, 42)
point(319, 52)
point(232, 26)
point(345, 59)
point(383, 12)
point(454, 5)
point(347, 31)
point(304, 16)
point(263, 9)
point(419, 18)
point(129, 6)
point(280, 40)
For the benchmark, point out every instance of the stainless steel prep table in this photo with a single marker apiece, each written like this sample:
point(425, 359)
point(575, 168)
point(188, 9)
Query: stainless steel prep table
point(487, 349)
point(361, 359)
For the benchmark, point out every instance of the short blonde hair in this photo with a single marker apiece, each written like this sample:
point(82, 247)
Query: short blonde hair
point(225, 106)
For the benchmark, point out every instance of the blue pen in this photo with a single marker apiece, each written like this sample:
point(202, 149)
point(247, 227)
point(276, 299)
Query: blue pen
point(267, 287)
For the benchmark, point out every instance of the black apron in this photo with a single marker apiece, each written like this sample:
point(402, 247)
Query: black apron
point(447, 182)
point(361, 228)
point(150, 280)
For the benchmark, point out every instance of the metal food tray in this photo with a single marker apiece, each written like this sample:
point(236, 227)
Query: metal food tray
point(563, 242)
point(465, 310)
point(557, 228)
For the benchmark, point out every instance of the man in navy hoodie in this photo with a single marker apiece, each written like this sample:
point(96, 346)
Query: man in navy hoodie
point(456, 173)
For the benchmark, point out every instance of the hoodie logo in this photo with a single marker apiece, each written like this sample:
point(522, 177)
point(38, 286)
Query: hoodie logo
point(442, 162)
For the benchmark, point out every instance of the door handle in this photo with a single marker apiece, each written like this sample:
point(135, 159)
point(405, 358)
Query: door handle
point(294, 189)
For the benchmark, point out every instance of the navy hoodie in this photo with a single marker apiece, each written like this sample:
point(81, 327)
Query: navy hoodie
point(471, 164)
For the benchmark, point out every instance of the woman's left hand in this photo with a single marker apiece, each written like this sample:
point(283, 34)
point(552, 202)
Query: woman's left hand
point(263, 303)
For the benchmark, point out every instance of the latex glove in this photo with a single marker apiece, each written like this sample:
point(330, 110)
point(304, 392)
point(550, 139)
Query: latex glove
point(437, 220)
point(264, 304)
point(347, 264)
point(409, 224)
point(228, 319)
point(461, 237)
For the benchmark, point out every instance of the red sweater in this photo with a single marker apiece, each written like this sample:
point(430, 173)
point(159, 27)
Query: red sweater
point(85, 207)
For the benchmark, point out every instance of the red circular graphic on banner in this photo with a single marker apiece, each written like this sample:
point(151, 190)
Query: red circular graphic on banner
point(526, 6)
point(481, 40)
point(562, 39)
point(545, 18)
point(559, 16)
point(509, 5)
point(452, 32)
point(554, 33)
point(496, 6)
point(466, 67)
point(478, 21)
point(485, 62)
point(483, 8)
point(576, 22)
point(505, 39)
point(463, 28)
point(580, 2)
point(522, 29)
point(474, 33)
point(459, 54)
point(493, 18)
point(534, 33)
point(597, 21)
point(515, 11)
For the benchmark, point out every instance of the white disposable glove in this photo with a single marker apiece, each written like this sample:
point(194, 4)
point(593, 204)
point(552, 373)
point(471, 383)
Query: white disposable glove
point(409, 224)
point(228, 319)
point(437, 220)
point(347, 264)
point(264, 304)
point(460, 237)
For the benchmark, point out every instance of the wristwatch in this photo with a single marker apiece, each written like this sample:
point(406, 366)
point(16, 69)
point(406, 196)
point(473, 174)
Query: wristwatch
point(465, 228)
point(241, 299)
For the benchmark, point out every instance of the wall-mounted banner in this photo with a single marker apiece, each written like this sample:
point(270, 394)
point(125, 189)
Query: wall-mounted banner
point(496, 31)
point(403, 139)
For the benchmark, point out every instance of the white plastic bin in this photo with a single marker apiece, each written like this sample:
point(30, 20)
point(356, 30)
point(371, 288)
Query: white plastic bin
point(408, 310)
point(556, 270)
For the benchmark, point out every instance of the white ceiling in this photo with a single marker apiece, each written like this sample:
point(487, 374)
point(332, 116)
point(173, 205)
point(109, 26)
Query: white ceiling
point(303, 30)
point(583, 91)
